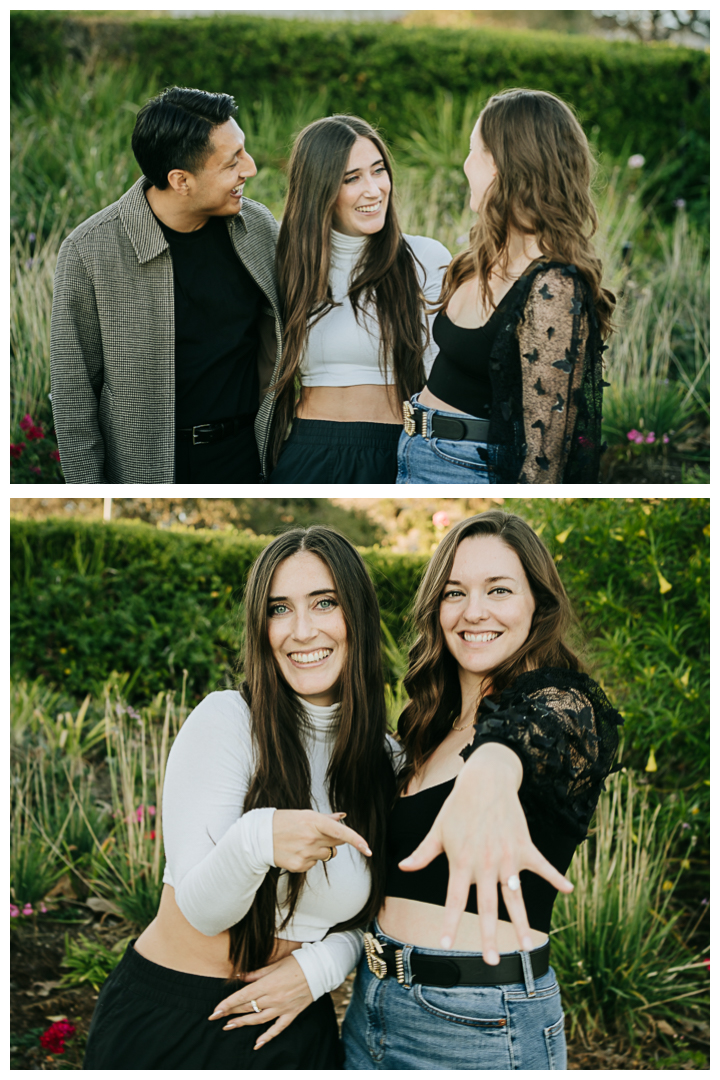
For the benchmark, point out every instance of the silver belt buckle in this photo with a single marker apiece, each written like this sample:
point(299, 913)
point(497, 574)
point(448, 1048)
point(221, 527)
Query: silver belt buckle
point(408, 418)
point(199, 441)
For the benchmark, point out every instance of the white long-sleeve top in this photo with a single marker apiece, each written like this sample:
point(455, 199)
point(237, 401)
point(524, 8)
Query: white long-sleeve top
point(344, 351)
point(217, 856)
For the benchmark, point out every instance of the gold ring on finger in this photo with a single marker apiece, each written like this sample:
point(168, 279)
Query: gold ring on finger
point(332, 850)
point(513, 883)
point(256, 1007)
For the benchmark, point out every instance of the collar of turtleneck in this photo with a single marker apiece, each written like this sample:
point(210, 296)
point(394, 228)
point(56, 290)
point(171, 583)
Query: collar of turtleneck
point(321, 717)
point(346, 249)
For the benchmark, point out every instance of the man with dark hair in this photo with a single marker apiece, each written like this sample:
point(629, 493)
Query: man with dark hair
point(166, 323)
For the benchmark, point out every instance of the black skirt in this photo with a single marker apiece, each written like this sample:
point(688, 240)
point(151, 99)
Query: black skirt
point(150, 1017)
point(325, 452)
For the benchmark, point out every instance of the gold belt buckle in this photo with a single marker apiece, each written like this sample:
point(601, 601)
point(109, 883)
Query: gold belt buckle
point(408, 418)
point(372, 948)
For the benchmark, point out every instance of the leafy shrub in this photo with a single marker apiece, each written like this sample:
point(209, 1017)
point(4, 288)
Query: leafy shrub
point(88, 960)
point(380, 71)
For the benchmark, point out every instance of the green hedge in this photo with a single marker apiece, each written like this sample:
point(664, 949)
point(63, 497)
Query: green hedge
point(88, 598)
point(633, 96)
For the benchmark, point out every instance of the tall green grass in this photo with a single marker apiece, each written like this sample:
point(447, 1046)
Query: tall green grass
point(620, 949)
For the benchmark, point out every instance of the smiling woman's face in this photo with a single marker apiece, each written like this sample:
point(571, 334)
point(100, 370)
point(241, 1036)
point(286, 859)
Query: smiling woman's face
point(486, 607)
point(306, 628)
point(362, 204)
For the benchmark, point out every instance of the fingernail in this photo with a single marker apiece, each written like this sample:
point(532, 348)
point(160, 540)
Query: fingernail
point(341, 816)
point(406, 862)
point(445, 942)
point(228, 1027)
point(527, 944)
point(366, 850)
point(258, 1045)
point(218, 1012)
point(492, 957)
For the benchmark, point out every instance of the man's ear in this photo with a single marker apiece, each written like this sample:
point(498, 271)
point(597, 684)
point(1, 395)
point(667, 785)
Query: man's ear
point(178, 181)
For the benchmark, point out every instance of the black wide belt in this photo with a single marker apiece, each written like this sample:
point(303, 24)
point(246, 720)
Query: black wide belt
point(202, 434)
point(458, 970)
point(419, 422)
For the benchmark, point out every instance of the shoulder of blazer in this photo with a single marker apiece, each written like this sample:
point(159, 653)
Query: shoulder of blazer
point(256, 216)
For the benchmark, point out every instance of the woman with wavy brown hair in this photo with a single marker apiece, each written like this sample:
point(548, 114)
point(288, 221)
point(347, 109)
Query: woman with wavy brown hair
point(356, 341)
point(515, 394)
point(499, 712)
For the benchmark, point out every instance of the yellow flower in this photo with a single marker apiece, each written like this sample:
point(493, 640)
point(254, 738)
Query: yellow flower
point(63, 650)
point(562, 537)
point(665, 585)
point(706, 530)
point(684, 679)
point(652, 763)
point(685, 864)
point(667, 886)
point(641, 532)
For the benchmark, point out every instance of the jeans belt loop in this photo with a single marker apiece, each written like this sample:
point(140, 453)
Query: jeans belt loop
point(528, 973)
point(404, 977)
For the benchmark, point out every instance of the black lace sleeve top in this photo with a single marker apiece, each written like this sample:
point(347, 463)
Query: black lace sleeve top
point(546, 374)
point(565, 732)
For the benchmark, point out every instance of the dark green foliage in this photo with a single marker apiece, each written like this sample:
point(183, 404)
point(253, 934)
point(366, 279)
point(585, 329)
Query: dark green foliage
point(138, 599)
point(648, 99)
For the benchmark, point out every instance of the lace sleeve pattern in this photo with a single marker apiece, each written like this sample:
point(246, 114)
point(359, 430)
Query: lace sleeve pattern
point(552, 336)
point(564, 730)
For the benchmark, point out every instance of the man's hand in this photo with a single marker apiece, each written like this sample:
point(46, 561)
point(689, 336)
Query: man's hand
point(482, 830)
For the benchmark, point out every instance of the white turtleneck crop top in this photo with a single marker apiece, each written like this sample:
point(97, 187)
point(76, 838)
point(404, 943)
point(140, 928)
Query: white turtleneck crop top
point(344, 351)
point(217, 856)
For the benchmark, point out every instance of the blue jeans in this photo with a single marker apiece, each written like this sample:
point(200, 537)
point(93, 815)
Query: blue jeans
point(442, 461)
point(514, 1026)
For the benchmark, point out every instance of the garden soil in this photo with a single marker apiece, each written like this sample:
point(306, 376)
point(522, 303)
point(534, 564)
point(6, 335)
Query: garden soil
point(37, 999)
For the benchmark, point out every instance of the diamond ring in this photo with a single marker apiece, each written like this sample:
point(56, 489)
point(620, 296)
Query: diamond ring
point(255, 1006)
point(513, 883)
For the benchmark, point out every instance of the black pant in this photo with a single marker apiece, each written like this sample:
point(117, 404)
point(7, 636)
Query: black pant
point(234, 460)
point(327, 452)
point(150, 1017)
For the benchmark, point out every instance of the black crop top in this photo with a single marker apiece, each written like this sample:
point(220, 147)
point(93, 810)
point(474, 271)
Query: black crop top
point(564, 730)
point(460, 375)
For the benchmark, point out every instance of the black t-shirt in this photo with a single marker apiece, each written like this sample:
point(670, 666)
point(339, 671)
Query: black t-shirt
point(217, 305)
point(460, 375)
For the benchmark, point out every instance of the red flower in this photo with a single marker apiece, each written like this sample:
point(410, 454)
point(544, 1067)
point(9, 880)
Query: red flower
point(36, 469)
point(26, 422)
point(31, 429)
point(54, 1038)
point(16, 450)
point(55, 455)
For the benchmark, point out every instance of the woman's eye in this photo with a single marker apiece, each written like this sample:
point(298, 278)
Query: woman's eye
point(278, 609)
point(326, 604)
point(351, 179)
point(451, 593)
point(500, 589)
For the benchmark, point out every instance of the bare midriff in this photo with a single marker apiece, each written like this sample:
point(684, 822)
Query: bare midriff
point(170, 941)
point(350, 404)
point(421, 924)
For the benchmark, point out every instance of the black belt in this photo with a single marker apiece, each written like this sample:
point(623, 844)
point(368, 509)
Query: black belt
point(387, 963)
point(418, 422)
point(202, 434)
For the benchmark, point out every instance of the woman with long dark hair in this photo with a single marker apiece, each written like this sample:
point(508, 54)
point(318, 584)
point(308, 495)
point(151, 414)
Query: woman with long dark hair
point(263, 880)
point(491, 680)
point(515, 394)
point(356, 341)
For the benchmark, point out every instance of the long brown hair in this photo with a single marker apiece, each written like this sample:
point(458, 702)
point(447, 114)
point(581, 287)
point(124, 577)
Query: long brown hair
point(386, 277)
point(432, 682)
point(359, 776)
point(542, 187)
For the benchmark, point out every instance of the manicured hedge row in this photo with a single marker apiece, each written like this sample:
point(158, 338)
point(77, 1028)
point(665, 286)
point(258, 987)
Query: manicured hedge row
point(88, 598)
point(644, 98)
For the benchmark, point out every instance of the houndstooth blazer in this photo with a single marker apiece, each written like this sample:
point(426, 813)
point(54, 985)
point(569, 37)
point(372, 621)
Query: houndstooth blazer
point(112, 344)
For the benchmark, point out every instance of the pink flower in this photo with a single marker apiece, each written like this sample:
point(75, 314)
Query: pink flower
point(27, 910)
point(139, 812)
point(707, 963)
point(54, 1038)
point(43, 909)
point(440, 520)
point(650, 438)
point(636, 161)
point(666, 439)
point(16, 450)
point(27, 422)
point(635, 436)
point(151, 811)
point(55, 455)
point(14, 911)
point(36, 469)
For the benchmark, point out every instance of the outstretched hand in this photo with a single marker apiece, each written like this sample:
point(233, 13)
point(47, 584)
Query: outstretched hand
point(482, 830)
point(280, 991)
